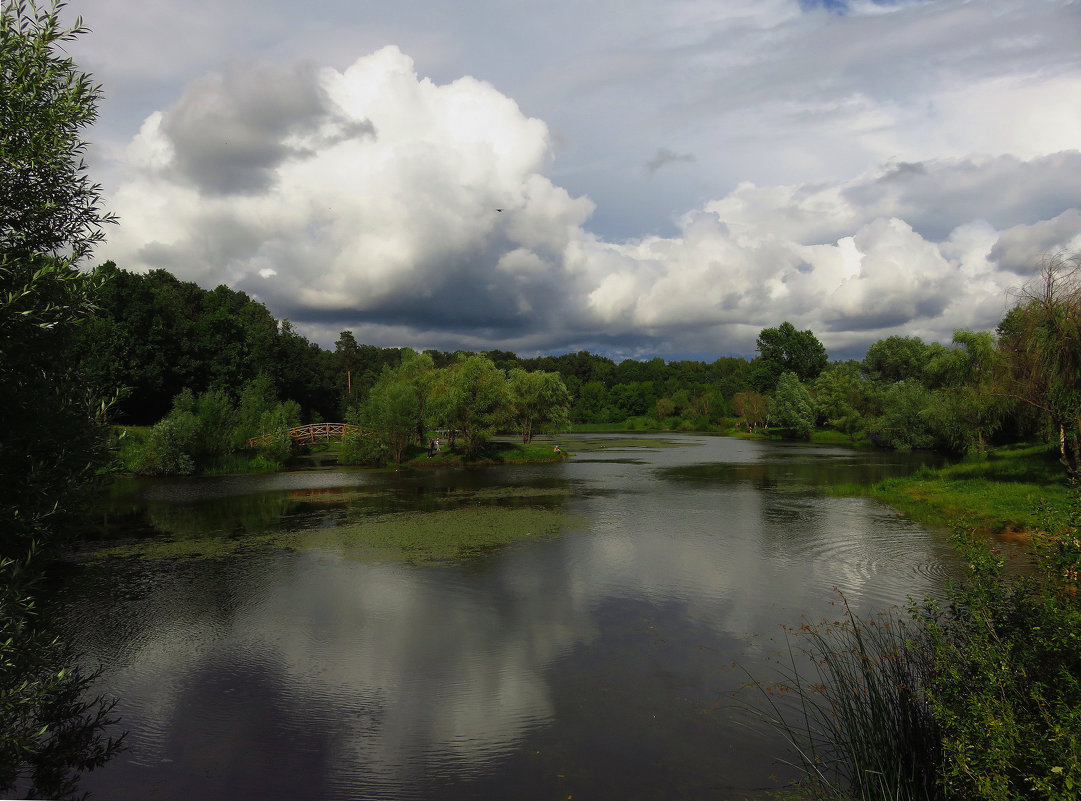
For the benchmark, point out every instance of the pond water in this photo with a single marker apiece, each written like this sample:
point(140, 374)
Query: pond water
point(563, 631)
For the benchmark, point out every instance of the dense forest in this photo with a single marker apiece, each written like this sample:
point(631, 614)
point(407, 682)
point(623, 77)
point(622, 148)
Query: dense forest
point(155, 341)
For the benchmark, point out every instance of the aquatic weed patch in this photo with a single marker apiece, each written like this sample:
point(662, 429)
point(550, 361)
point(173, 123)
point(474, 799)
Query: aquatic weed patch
point(442, 535)
point(416, 537)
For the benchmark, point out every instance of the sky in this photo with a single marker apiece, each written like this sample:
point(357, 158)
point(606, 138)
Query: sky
point(631, 178)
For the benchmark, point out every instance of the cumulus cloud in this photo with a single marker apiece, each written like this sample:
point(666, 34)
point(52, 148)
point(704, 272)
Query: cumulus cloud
point(418, 213)
point(228, 133)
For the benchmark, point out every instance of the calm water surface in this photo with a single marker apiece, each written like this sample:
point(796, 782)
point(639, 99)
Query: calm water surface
point(590, 659)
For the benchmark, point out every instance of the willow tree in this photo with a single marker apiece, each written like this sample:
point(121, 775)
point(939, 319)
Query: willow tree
point(471, 398)
point(1040, 340)
point(539, 402)
point(50, 218)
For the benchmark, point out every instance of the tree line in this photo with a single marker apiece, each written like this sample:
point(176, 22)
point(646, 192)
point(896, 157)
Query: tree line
point(154, 337)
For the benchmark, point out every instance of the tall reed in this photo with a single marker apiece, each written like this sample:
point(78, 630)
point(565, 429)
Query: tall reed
point(850, 703)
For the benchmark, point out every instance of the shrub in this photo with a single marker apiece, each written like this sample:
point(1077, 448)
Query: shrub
point(363, 449)
point(170, 447)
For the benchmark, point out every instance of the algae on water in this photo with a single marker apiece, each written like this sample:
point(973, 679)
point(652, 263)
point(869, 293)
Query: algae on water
point(412, 536)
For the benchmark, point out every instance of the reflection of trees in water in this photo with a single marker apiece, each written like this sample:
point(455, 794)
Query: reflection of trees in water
point(266, 513)
point(224, 517)
point(800, 473)
point(53, 729)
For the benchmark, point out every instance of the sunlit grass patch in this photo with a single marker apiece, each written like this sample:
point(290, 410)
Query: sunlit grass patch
point(1000, 493)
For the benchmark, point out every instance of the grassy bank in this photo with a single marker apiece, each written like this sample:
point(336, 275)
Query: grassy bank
point(1001, 493)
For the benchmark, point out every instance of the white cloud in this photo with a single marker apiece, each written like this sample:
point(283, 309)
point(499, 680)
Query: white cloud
point(436, 213)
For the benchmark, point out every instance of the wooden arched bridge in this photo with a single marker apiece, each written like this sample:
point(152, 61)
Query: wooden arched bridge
point(316, 432)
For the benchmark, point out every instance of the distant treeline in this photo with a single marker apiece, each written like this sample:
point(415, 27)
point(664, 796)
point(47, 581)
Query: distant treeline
point(154, 337)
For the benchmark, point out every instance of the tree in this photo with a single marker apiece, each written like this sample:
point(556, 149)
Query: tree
point(792, 406)
point(751, 408)
point(968, 374)
point(896, 359)
point(50, 443)
point(904, 424)
point(1040, 340)
point(391, 410)
point(838, 396)
point(347, 364)
point(539, 402)
point(418, 371)
point(472, 398)
point(784, 349)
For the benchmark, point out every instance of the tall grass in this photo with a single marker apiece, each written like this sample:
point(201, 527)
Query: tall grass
point(850, 704)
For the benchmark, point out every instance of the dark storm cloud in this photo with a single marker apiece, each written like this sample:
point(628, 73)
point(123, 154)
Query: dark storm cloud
point(230, 131)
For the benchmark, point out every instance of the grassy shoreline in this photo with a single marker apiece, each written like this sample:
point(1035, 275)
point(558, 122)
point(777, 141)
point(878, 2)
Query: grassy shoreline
point(1001, 493)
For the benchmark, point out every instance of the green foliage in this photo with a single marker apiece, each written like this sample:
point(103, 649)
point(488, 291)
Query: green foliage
point(50, 205)
point(52, 725)
point(363, 448)
point(202, 432)
point(397, 410)
point(392, 410)
point(155, 335)
point(792, 406)
point(751, 408)
point(784, 349)
point(1040, 343)
point(975, 699)
point(50, 442)
point(539, 402)
point(896, 359)
point(276, 421)
point(51, 437)
point(1005, 682)
point(971, 406)
point(472, 399)
point(172, 446)
point(256, 398)
point(838, 395)
point(903, 424)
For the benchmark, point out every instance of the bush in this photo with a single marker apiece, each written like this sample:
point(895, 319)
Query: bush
point(261, 464)
point(170, 447)
point(363, 449)
point(278, 446)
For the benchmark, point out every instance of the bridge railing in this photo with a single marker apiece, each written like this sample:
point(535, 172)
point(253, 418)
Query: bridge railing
point(315, 432)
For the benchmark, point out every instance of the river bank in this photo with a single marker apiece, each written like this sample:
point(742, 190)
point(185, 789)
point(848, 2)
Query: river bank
point(1010, 492)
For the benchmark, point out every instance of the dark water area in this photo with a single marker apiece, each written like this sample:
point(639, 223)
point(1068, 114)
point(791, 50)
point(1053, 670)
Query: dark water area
point(280, 637)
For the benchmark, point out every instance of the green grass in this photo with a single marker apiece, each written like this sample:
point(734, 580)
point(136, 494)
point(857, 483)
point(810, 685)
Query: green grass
point(1001, 493)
